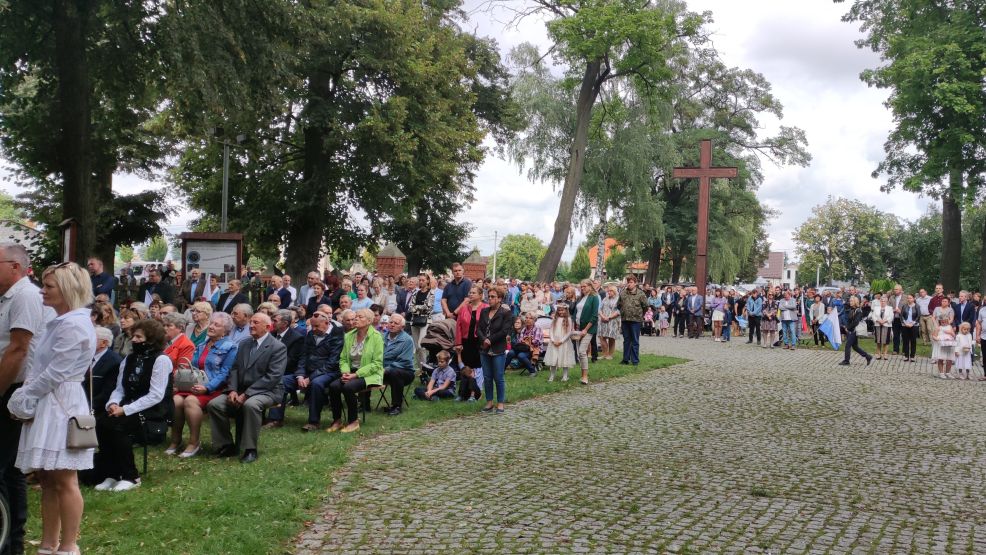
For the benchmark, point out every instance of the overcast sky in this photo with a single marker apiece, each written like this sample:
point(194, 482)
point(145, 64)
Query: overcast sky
point(805, 51)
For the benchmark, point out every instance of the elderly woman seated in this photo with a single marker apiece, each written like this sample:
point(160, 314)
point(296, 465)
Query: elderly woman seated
point(361, 364)
point(215, 356)
point(129, 316)
point(200, 313)
point(179, 347)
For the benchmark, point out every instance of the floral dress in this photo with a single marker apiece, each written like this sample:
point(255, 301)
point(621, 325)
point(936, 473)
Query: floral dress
point(611, 328)
point(769, 320)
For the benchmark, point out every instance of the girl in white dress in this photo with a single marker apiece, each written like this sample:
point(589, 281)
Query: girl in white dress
point(963, 350)
point(52, 392)
point(560, 353)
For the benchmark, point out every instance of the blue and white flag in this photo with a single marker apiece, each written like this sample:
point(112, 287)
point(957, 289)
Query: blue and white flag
point(830, 327)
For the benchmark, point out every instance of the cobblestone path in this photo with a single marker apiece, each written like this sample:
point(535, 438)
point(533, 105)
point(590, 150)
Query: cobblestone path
point(742, 450)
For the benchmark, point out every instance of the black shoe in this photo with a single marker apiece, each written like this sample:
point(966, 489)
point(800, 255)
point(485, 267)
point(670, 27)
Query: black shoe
point(750, 341)
point(249, 456)
point(227, 451)
point(844, 363)
point(869, 360)
point(624, 362)
point(394, 411)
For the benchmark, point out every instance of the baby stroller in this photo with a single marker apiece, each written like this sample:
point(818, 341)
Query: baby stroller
point(440, 336)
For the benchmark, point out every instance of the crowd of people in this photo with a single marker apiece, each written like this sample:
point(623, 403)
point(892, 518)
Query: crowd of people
point(154, 368)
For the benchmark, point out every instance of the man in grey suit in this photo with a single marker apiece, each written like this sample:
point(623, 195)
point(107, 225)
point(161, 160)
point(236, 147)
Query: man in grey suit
point(254, 385)
point(695, 305)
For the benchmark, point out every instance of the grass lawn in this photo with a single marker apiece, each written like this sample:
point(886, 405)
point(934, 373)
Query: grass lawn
point(210, 505)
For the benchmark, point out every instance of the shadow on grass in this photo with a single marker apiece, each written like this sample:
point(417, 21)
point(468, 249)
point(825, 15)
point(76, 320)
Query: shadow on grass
point(209, 505)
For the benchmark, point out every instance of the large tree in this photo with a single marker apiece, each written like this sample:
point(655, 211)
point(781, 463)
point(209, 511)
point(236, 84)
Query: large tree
point(934, 56)
point(847, 240)
point(517, 256)
point(601, 43)
point(383, 104)
point(79, 93)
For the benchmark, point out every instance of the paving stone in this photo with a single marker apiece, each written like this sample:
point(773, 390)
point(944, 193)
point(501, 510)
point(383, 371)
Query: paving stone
point(741, 450)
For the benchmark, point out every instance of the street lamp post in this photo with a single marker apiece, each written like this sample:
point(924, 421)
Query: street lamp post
point(219, 132)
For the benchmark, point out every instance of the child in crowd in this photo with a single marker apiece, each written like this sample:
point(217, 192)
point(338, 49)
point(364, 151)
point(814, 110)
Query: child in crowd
point(560, 352)
point(442, 382)
point(648, 328)
point(662, 321)
point(963, 349)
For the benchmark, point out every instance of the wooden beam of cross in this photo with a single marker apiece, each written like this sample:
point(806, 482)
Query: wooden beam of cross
point(705, 172)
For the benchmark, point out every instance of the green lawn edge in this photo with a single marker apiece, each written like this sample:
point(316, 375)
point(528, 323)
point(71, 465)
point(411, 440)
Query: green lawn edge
point(210, 505)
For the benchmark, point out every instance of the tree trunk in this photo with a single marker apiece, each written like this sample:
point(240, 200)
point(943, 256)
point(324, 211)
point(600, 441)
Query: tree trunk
point(951, 226)
point(676, 263)
point(588, 92)
point(982, 259)
point(70, 20)
point(105, 249)
point(653, 264)
point(601, 246)
point(305, 227)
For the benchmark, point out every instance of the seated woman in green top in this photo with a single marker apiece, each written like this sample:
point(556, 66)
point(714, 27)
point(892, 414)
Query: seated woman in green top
point(361, 364)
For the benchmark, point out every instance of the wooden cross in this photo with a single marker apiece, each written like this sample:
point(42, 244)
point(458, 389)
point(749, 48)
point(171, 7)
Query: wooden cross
point(704, 173)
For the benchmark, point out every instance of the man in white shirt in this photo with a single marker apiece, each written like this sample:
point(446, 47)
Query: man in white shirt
point(22, 318)
point(306, 290)
point(294, 292)
point(923, 301)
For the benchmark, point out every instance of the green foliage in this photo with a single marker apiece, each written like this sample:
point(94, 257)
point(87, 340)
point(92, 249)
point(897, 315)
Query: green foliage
point(9, 210)
point(156, 250)
point(518, 256)
point(935, 60)
point(581, 267)
point(126, 253)
point(882, 285)
point(616, 264)
point(850, 240)
point(377, 114)
point(564, 271)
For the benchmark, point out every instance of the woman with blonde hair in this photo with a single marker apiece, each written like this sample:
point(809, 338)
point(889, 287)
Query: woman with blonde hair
point(51, 394)
point(196, 330)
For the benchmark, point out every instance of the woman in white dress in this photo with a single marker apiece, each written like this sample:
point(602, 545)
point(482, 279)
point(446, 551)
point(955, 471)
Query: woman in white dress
point(52, 392)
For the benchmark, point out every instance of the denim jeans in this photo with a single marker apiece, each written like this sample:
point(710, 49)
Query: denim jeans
point(631, 341)
point(493, 371)
point(789, 334)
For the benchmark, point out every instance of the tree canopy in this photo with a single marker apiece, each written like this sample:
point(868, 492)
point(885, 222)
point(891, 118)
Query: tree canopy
point(517, 256)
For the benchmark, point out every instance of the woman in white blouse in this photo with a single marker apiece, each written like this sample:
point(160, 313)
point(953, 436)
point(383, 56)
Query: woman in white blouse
point(144, 378)
point(51, 393)
point(882, 314)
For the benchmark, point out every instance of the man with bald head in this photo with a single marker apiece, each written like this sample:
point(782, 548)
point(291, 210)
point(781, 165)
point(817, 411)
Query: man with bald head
point(254, 385)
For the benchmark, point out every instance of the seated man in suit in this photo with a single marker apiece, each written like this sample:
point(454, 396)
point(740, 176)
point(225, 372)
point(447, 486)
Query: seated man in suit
point(105, 368)
point(398, 362)
point(254, 385)
point(319, 364)
point(231, 297)
point(294, 341)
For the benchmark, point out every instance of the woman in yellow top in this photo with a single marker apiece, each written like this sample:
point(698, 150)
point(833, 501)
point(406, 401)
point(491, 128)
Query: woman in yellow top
point(361, 364)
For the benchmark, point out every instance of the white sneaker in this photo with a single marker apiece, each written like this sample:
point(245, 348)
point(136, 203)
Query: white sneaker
point(126, 485)
point(106, 484)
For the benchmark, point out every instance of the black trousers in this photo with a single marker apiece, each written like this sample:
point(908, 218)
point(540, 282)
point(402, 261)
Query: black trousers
point(680, 318)
point(819, 336)
point(115, 456)
point(594, 348)
point(397, 379)
point(469, 387)
point(754, 325)
point(897, 327)
point(696, 323)
point(909, 338)
point(339, 388)
point(12, 483)
point(852, 342)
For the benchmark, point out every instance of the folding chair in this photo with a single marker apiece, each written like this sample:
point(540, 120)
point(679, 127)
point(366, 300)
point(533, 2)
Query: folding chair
point(363, 399)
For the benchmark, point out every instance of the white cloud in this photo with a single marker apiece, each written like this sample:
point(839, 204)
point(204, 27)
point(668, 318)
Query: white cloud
point(802, 48)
